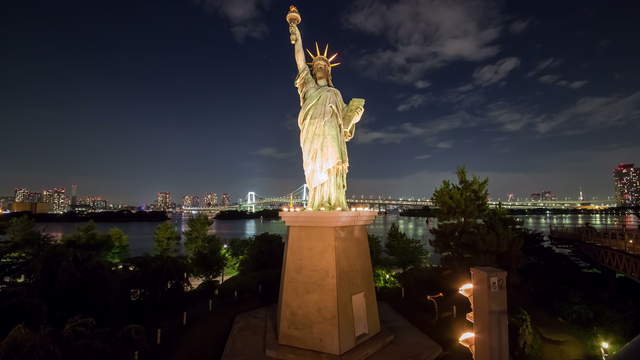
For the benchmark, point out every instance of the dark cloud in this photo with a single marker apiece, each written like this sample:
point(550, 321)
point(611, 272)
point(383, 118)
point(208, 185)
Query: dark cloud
point(490, 74)
point(244, 16)
point(425, 35)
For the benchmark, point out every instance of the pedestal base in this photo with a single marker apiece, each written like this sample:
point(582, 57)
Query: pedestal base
point(252, 338)
point(327, 299)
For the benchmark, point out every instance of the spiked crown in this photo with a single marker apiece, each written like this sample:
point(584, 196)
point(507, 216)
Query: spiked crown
point(322, 57)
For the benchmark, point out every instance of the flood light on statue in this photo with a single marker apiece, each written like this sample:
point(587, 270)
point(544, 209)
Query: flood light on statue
point(326, 123)
point(467, 340)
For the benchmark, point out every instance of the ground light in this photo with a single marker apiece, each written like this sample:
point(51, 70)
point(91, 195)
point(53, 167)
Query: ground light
point(467, 340)
point(604, 347)
point(467, 290)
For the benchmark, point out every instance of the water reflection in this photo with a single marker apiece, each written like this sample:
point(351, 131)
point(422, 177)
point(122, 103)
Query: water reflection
point(141, 233)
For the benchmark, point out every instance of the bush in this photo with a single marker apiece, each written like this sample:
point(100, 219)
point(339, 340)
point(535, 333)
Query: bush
point(264, 252)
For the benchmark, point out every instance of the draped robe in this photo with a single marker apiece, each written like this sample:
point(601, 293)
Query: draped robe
point(324, 131)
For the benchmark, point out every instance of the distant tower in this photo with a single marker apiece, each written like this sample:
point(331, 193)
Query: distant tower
point(581, 197)
point(74, 194)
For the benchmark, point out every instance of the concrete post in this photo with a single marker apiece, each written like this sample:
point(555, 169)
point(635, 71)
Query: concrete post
point(490, 321)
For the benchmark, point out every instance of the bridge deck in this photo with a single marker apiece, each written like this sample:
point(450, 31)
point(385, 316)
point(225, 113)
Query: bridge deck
point(616, 249)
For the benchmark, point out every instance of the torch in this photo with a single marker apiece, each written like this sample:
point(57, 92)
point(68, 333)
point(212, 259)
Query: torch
point(293, 18)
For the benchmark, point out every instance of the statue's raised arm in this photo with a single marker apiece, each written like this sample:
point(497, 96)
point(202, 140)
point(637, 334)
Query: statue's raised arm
point(293, 18)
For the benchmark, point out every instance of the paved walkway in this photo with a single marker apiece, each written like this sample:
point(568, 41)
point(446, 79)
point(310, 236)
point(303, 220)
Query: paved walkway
point(247, 337)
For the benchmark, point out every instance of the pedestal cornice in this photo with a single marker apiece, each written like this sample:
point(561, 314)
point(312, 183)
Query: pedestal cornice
point(327, 218)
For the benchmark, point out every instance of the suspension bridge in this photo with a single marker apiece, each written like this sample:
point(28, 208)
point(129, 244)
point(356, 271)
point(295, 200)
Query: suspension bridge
point(298, 198)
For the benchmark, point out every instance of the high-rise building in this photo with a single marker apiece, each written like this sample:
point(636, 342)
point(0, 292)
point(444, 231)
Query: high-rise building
point(35, 197)
point(163, 201)
point(226, 199)
point(47, 196)
point(535, 197)
point(210, 200)
point(548, 196)
point(98, 203)
point(21, 195)
point(59, 201)
point(187, 201)
point(74, 194)
point(626, 179)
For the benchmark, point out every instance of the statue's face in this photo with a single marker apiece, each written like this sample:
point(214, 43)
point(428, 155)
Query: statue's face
point(321, 71)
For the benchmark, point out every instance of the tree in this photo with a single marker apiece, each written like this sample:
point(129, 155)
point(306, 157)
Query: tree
point(87, 239)
point(375, 250)
point(204, 250)
point(265, 252)
point(468, 232)
point(197, 234)
point(166, 240)
point(120, 249)
point(405, 251)
point(22, 245)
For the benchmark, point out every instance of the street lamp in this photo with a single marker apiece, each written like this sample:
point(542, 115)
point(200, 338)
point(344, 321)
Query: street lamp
point(467, 291)
point(435, 303)
point(604, 348)
point(468, 340)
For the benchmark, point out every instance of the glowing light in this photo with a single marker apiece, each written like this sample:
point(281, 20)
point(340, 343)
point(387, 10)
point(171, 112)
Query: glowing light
point(466, 289)
point(467, 340)
point(285, 209)
point(338, 209)
point(353, 209)
point(604, 345)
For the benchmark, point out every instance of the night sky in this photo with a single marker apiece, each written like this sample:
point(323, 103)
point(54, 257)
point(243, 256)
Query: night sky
point(129, 97)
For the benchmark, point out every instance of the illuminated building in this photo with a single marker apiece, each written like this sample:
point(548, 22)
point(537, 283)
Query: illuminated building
point(32, 207)
point(35, 197)
point(626, 179)
point(47, 196)
point(59, 201)
point(164, 201)
point(226, 199)
point(535, 197)
point(5, 202)
point(210, 199)
point(547, 196)
point(187, 201)
point(21, 195)
point(96, 203)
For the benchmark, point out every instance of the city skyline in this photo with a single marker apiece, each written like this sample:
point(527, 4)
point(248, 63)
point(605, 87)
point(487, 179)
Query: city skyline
point(145, 99)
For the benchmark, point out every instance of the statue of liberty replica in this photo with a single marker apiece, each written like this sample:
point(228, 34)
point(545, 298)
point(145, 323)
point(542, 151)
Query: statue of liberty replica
point(326, 123)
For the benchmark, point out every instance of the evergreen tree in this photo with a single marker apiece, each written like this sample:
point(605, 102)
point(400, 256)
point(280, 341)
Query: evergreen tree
point(265, 252)
point(166, 240)
point(120, 249)
point(204, 250)
point(405, 251)
point(375, 250)
point(468, 232)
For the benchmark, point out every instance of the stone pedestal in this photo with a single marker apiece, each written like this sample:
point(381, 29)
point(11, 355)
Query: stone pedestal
point(327, 298)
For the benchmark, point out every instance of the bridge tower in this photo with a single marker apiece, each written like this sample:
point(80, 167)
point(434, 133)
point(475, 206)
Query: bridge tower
point(251, 201)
